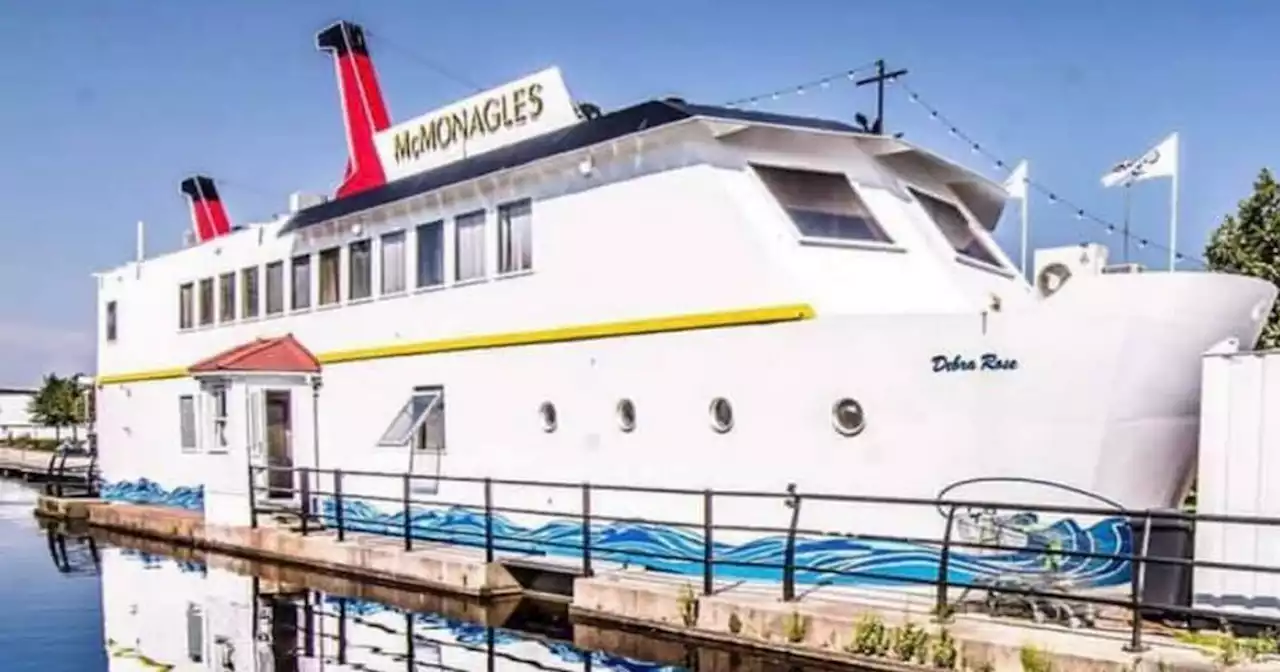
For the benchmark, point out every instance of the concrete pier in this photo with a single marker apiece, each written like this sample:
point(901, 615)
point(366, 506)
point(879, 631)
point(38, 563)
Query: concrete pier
point(439, 567)
point(821, 625)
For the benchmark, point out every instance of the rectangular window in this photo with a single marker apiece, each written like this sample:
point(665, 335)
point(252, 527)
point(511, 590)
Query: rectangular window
point(301, 299)
point(218, 414)
point(430, 254)
point(111, 321)
point(393, 262)
point(360, 269)
point(227, 297)
point(195, 633)
point(330, 282)
point(469, 249)
point(249, 292)
point(409, 419)
point(275, 288)
point(822, 206)
point(186, 306)
point(956, 229)
point(206, 301)
point(187, 422)
point(515, 236)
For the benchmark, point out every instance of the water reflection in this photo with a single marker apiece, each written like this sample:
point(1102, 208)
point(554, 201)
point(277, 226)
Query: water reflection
point(191, 611)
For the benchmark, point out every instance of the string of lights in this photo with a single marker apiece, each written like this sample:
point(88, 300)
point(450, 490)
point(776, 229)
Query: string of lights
point(384, 40)
point(1051, 195)
point(850, 76)
point(803, 88)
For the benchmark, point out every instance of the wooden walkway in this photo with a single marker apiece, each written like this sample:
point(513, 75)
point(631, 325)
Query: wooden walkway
point(33, 465)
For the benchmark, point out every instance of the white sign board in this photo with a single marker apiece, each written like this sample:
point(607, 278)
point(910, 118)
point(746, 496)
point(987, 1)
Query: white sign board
point(516, 111)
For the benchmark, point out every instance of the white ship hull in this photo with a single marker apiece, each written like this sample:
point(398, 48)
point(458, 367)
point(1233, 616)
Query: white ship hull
point(1100, 410)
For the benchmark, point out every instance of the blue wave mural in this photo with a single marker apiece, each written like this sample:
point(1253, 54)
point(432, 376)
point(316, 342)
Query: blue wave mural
point(146, 491)
point(153, 561)
point(473, 635)
point(828, 560)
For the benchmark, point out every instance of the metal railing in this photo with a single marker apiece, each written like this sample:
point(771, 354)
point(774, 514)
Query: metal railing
point(1036, 589)
point(72, 480)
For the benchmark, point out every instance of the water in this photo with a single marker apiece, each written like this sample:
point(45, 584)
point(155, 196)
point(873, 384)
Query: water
point(50, 621)
point(82, 604)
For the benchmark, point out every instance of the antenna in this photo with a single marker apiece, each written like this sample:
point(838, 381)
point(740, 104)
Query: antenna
point(879, 79)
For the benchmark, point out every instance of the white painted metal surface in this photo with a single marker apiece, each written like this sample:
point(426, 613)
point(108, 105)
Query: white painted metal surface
point(1239, 474)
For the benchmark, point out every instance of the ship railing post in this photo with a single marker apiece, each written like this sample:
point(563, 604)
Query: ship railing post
point(1137, 582)
point(488, 520)
point(586, 530)
point(253, 505)
point(337, 503)
point(941, 609)
point(408, 537)
point(708, 545)
point(789, 553)
point(306, 499)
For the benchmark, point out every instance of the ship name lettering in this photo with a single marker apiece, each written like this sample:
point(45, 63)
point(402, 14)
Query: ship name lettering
point(987, 362)
point(506, 110)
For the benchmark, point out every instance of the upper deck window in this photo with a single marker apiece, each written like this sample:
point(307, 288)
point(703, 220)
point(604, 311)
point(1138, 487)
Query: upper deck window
point(957, 229)
point(360, 269)
point(227, 297)
point(275, 287)
point(186, 306)
point(515, 236)
point(111, 321)
point(330, 276)
point(301, 298)
point(469, 252)
point(206, 302)
point(823, 206)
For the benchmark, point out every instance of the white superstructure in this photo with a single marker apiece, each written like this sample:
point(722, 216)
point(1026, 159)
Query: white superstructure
point(667, 295)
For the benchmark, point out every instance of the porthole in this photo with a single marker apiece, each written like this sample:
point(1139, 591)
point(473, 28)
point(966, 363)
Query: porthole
point(547, 411)
point(626, 415)
point(721, 415)
point(847, 417)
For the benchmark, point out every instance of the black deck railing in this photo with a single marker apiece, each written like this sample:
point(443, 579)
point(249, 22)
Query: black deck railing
point(77, 479)
point(1037, 590)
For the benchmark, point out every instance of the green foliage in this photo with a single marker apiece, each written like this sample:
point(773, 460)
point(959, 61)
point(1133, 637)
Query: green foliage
point(687, 603)
point(911, 642)
point(795, 627)
point(944, 651)
point(1034, 660)
point(59, 403)
point(870, 636)
point(1248, 243)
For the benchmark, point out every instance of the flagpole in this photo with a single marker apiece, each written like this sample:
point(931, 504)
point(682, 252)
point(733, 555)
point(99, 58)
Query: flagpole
point(1023, 210)
point(1173, 217)
point(1127, 185)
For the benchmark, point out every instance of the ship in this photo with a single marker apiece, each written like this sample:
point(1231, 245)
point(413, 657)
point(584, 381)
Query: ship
point(520, 286)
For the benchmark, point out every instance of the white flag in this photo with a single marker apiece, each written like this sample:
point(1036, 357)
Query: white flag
point(1159, 161)
point(1016, 184)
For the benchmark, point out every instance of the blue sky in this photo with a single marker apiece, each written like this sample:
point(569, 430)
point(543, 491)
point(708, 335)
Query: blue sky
point(108, 104)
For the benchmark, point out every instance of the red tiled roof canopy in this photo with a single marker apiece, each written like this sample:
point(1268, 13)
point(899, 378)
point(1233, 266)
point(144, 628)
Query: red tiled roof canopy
point(282, 354)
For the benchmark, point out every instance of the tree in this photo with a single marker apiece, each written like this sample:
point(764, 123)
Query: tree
point(1248, 243)
point(58, 404)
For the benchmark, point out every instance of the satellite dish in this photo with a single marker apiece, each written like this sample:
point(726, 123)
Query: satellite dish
point(1052, 277)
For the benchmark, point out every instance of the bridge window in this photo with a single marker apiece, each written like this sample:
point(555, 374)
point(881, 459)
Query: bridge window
point(275, 288)
point(301, 295)
point(186, 306)
point(393, 262)
point(249, 292)
point(957, 229)
point(515, 236)
point(227, 297)
point(823, 206)
point(206, 302)
point(469, 252)
point(330, 276)
point(111, 321)
point(430, 254)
